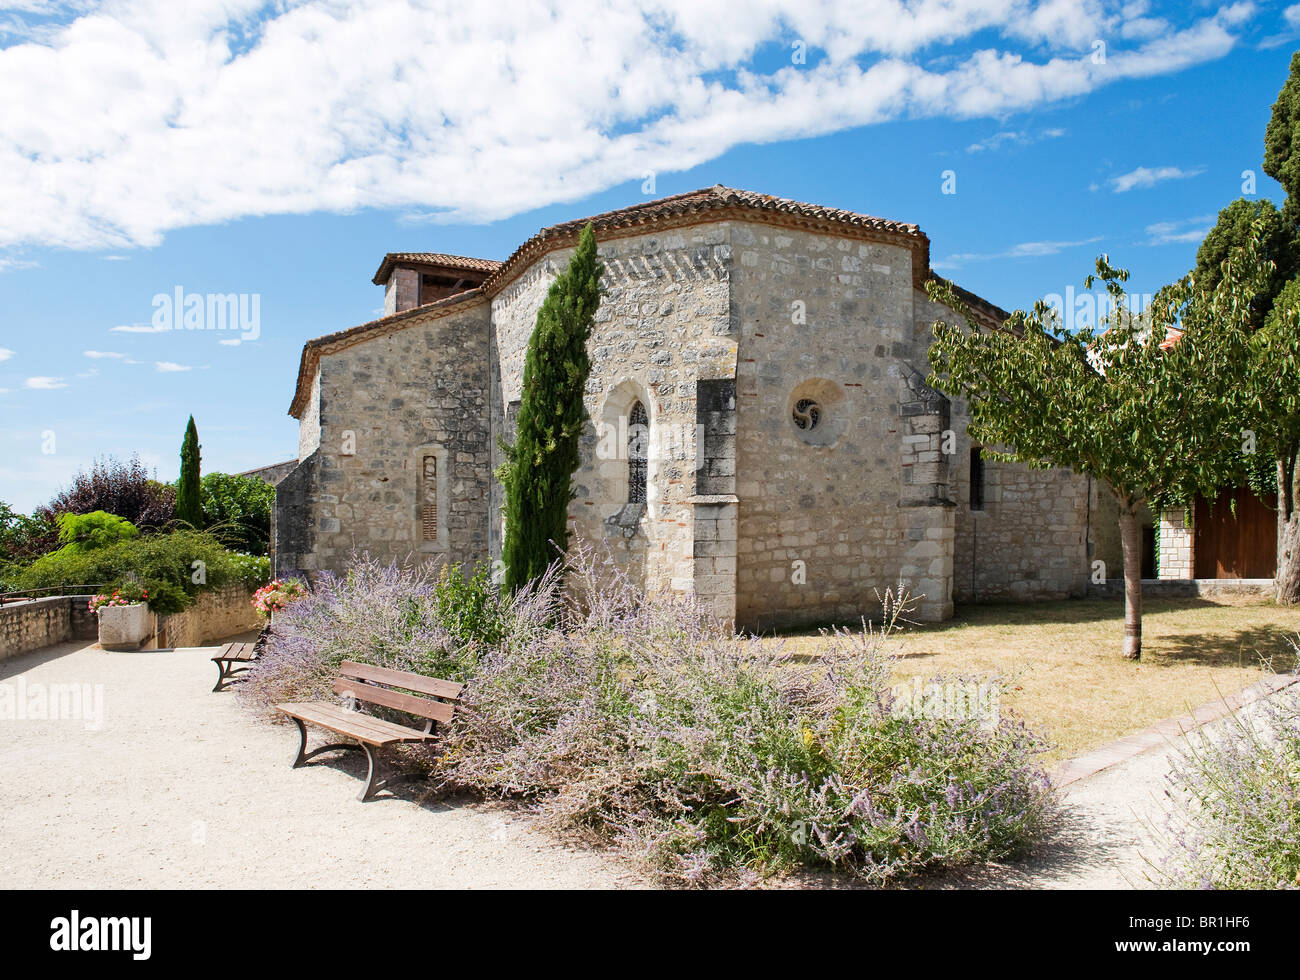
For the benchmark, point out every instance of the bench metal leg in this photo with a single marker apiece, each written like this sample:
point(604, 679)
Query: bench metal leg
point(303, 755)
point(221, 676)
point(226, 673)
point(372, 770)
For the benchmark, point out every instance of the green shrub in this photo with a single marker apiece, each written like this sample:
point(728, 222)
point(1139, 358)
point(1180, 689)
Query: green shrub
point(188, 560)
point(79, 533)
point(471, 608)
point(237, 509)
point(165, 598)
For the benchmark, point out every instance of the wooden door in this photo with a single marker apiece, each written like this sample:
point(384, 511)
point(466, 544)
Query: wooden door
point(1235, 545)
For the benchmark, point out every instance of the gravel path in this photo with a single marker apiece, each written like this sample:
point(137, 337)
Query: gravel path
point(179, 788)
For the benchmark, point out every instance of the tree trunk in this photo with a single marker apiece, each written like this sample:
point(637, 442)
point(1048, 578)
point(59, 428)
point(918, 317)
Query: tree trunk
point(1130, 535)
point(1287, 579)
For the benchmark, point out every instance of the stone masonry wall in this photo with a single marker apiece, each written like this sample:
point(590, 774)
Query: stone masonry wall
point(309, 424)
point(1175, 548)
point(215, 615)
point(1030, 540)
point(662, 325)
point(383, 403)
point(32, 625)
point(825, 320)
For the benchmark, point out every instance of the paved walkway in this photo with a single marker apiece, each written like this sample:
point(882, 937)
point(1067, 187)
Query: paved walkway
point(176, 787)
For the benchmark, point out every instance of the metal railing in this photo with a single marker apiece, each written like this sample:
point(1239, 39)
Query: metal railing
point(53, 591)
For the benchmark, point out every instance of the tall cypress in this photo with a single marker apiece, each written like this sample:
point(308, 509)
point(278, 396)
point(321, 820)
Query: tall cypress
point(538, 470)
point(189, 498)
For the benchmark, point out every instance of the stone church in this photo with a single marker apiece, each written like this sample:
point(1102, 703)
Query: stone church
point(761, 432)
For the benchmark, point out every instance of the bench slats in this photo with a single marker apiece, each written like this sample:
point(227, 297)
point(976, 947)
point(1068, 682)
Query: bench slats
point(364, 728)
point(236, 651)
point(401, 678)
point(437, 710)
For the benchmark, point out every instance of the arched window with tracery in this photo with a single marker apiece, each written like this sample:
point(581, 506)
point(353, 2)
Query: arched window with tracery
point(638, 439)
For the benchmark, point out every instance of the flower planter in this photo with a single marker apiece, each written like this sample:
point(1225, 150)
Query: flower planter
point(125, 627)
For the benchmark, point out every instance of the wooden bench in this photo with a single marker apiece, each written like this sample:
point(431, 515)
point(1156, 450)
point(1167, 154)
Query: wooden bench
point(233, 659)
point(382, 686)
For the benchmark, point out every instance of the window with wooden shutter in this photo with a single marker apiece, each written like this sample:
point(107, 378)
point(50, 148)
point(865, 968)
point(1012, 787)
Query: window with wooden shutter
point(429, 499)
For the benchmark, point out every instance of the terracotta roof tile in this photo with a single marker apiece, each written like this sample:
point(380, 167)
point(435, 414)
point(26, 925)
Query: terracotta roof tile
point(464, 262)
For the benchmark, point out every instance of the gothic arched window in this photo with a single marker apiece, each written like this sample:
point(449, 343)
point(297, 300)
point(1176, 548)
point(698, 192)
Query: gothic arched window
point(638, 438)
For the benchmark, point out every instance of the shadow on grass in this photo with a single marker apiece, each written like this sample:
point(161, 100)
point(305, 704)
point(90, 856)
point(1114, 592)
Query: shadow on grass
point(1250, 647)
point(1058, 612)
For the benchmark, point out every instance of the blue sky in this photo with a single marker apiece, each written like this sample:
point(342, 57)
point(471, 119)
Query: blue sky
point(278, 150)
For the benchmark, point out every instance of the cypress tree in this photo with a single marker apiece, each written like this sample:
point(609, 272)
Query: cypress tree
point(538, 470)
point(189, 498)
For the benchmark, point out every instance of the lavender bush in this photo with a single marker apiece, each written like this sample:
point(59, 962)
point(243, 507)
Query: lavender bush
point(1233, 819)
point(377, 614)
point(645, 724)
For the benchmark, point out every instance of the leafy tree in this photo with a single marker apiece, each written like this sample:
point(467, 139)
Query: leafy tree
point(237, 509)
point(538, 469)
point(189, 493)
point(24, 538)
point(1268, 402)
point(1148, 423)
point(1282, 135)
point(79, 533)
point(1239, 222)
point(1272, 411)
point(124, 489)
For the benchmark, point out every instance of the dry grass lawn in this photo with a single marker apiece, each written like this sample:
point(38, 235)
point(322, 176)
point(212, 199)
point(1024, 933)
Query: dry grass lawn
point(1063, 669)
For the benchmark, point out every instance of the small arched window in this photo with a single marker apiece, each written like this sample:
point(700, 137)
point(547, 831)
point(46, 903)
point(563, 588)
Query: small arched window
point(638, 439)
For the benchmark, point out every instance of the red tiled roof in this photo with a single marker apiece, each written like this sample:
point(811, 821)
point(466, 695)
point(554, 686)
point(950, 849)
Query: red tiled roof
point(441, 259)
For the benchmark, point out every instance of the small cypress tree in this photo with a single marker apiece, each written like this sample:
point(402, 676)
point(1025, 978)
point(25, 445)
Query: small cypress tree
point(538, 470)
point(189, 493)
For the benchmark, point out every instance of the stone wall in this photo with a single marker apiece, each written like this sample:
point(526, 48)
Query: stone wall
point(798, 464)
point(821, 531)
point(293, 521)
point(383, 405)
point(309, 424)
point(1175, 545)
point(215, 615)
point(37, 623)
point(661, 327)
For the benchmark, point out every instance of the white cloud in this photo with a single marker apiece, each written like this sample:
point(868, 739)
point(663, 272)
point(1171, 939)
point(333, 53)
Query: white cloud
point(1292, 16)
point(147, 115)
point(1024, 250)
point(1013, 138)
point(104, 354)
point(1179, 232)
point(5, 353)
point(44, 383)
point(138, 328)
point(168, 367)
point(1150, 176)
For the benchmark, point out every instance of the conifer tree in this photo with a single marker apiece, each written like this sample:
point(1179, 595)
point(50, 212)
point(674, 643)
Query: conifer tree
point(538, 470)
point(189, 492)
